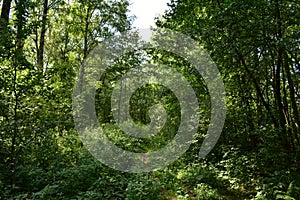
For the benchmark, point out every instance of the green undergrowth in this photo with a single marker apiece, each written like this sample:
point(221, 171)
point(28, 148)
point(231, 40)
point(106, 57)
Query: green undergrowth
point(229, 172)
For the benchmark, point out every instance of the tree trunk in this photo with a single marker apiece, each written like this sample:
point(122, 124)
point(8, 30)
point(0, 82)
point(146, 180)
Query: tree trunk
point(296, 121)
point(40, 50)
point(277, 92)
point(86, 32)
point(4, 18)
point(258, 90)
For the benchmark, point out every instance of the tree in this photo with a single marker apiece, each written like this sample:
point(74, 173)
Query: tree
point(255, 45)
point(4, 18)
point(43, 47)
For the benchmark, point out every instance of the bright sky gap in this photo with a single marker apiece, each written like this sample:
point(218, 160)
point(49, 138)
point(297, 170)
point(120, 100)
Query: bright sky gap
point(146, 10)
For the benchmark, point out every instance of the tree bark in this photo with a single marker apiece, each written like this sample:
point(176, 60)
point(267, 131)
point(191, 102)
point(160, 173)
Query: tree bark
point(278, 68)
point(40, 50)
point(4, 18)
point(258, 90)
point(296, 124)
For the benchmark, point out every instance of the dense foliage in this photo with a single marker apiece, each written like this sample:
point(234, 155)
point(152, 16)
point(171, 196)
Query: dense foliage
point(256, 47)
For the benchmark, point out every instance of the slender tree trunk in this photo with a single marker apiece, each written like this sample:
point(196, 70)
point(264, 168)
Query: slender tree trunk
point(85, 48)
point(120, 101)
point(86, 32)
point(258, 90)
point(285, 100)
point(20, 23)
point(278, 69)
point(15, 130)
point(18, 60)
point(277, 92)
point(296, 121)
point(4, 18)
point(40, 50)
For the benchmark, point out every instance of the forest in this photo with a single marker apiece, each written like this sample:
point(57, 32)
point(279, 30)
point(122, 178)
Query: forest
point(45, 46)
